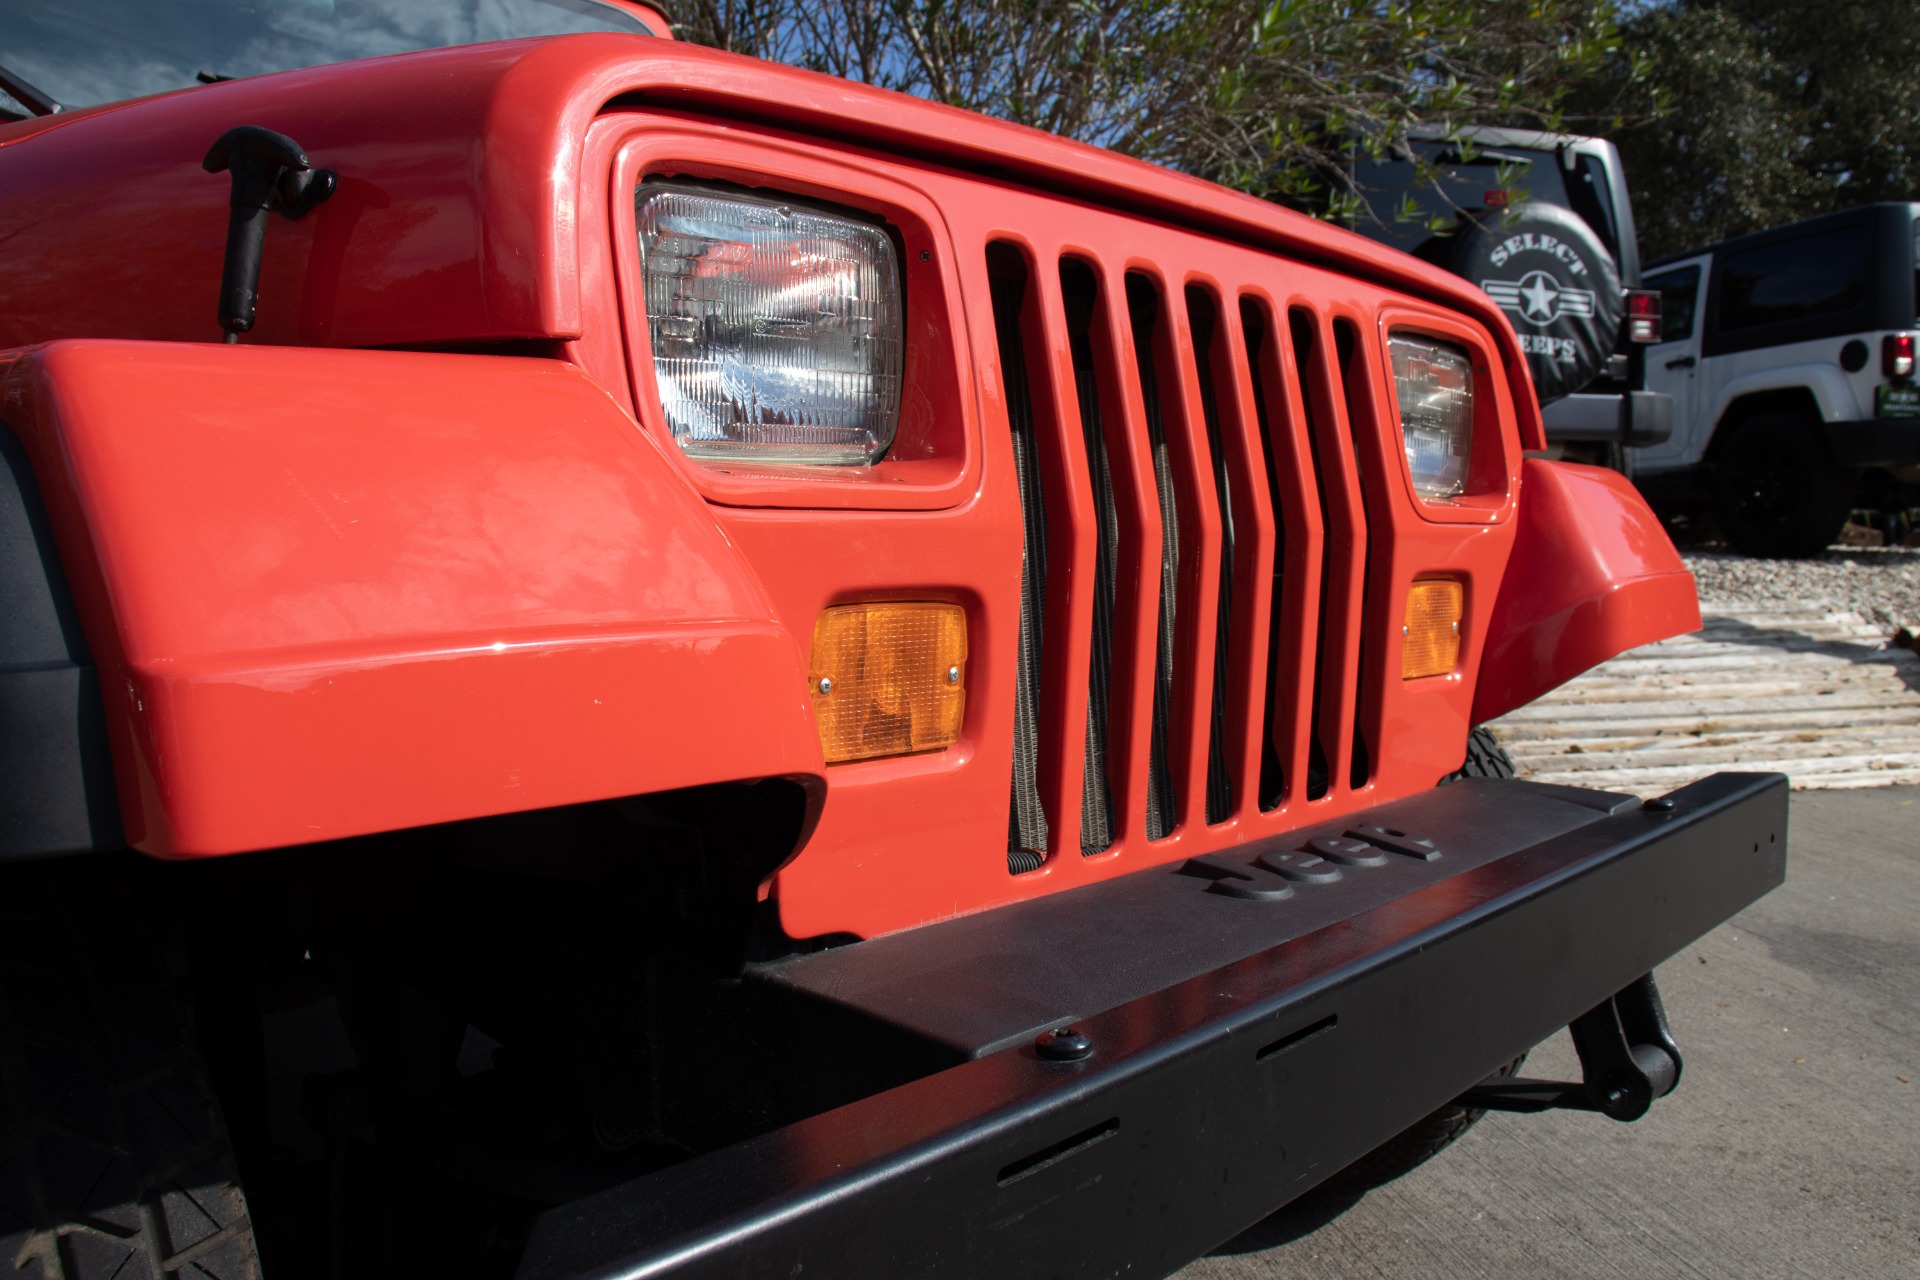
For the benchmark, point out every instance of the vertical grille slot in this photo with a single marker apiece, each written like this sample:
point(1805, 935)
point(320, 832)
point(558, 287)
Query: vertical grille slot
point(1027, 819)
point(1080, 293)
point(1203, 318)
point(1268, 380)
point(1144, 313)
point(1359, 401)
point(1344, 560)
point(1309, 361)
point(1242, 363)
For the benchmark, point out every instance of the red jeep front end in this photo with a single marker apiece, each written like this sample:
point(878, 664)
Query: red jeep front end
point(1008, 832)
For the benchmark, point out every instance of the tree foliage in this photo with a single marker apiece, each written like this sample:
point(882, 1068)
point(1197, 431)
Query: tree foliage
point(1733, 115)
point(1264, 96)
point(1769, 111)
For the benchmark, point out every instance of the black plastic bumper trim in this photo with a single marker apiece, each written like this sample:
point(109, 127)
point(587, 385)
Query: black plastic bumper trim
point(1649, 418)
point(58, 792)
point(1873, 442)
point(1636, 418)
point(973, 986)
point(1208, 1104)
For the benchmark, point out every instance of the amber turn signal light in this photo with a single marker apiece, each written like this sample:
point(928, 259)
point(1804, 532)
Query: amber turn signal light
point(1430, 638)
point(888, 679)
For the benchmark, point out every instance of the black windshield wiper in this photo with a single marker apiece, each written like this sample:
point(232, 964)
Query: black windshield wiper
point(34, 100)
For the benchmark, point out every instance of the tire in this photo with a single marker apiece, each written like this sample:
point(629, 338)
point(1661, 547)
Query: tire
point(1557, 283)
point(113, 1158)
point(1776, 488)
point(1486, 758)
point(1402, 1154)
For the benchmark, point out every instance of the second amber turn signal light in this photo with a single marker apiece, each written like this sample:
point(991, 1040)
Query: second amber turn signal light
point(888, 678)
point(1430, 638)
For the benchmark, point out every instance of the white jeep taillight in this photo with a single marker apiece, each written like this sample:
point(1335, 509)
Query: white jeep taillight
point(1896, 355)
point(776, 329)
point(1643, 316)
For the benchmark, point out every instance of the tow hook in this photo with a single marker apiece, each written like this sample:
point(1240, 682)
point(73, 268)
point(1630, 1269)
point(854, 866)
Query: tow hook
point(1627, 1056)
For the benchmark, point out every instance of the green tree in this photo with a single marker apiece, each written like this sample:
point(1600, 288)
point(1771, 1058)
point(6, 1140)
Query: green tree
point(1765, 112)
point(1313, 79)
point(1267, 97)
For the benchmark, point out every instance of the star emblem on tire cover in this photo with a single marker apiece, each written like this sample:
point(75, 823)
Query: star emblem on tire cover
point(1540, 296)
point(1538, 299)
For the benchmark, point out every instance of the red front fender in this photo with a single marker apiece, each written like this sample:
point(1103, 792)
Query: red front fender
point(1592, 575)
point(338, 592)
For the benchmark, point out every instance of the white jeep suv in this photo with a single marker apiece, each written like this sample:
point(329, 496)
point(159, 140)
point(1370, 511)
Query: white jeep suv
point(1789, 355)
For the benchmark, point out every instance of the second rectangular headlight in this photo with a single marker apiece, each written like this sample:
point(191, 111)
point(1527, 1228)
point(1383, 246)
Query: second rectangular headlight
point(1434, 383)
point(776, 329)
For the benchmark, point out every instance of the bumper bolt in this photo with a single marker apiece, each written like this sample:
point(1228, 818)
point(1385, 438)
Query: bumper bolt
point(1063, 1044)
point(1660, 804)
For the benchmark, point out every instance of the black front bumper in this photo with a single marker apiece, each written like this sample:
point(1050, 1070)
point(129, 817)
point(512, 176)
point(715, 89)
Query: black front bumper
point(1261, 1045)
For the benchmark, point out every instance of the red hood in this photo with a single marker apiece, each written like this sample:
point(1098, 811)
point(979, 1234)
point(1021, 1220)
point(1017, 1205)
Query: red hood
point(455, 217)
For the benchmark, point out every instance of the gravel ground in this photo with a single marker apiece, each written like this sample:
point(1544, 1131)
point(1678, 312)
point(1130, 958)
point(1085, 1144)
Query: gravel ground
point(1881, 583)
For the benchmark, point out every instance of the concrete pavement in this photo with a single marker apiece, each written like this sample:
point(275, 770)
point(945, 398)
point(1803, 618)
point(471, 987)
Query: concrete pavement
point(1790, 1149)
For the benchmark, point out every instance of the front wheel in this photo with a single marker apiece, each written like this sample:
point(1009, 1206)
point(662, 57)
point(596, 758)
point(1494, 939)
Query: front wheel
point(1486, 758)
point(1777, 488)
point(1407, 1151)
point(113, 1159)
point(1402, 1154)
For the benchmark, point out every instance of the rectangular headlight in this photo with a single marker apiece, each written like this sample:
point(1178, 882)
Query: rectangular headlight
point(776, 329)
point(1434, 383)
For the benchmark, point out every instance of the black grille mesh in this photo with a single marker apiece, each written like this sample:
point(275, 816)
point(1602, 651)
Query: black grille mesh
point(1256, 330)
point(1027, 820)
point(1305, 334)
point(1346, 341)
point(1143, 309)
point(1201, 321)
point(1096, 796)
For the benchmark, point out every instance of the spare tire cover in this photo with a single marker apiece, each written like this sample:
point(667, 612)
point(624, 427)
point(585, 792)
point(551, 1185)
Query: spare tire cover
point(1556, 282)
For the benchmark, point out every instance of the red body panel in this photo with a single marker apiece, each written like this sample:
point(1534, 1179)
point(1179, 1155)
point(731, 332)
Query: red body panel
point(907, 841)
point(458, 213)
point(342, 592)
point(1593, 575)
point(544, 602)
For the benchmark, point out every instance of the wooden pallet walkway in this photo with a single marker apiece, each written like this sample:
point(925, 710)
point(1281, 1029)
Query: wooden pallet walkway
point(1822, 697)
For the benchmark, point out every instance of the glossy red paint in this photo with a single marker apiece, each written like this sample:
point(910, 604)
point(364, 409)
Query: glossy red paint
point(341, 592)
point(532, 541)
point(915, 839)
point(1593, 574)
point(458, 215)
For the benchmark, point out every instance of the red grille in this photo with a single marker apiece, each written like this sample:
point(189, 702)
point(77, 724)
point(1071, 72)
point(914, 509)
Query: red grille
point(1189, 465)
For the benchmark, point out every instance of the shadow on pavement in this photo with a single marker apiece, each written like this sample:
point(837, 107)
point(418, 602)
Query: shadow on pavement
point(1301, 1218)
point(1725, 630)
